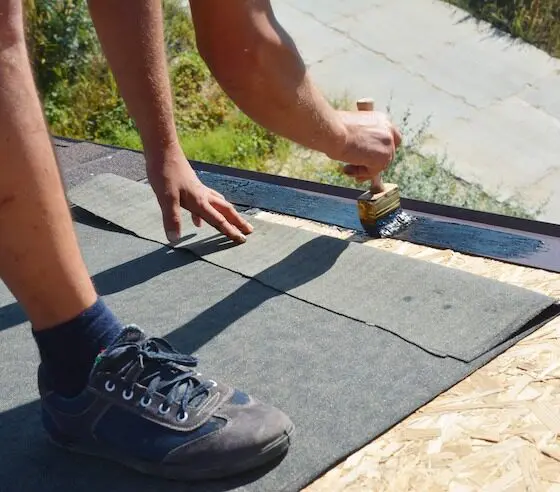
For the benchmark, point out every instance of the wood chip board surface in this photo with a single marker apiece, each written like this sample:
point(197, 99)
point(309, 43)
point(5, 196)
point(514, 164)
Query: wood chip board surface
point(498, 430)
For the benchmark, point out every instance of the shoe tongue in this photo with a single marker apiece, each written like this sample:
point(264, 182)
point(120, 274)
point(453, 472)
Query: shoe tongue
point(129, 334)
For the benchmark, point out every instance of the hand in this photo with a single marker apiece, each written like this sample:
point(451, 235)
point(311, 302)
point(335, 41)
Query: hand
point(176, 185)
point(370, 145)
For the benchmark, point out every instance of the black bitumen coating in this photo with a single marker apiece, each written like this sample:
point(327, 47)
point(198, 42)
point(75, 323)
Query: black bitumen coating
point(446, 229)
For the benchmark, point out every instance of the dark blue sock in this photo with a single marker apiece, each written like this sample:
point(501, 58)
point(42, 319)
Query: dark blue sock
point(68, 350)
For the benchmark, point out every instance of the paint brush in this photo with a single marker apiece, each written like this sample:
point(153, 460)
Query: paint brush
point(379, 208)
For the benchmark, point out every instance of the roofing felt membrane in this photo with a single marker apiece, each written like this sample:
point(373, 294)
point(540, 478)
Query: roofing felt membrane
point(342, 380)
point(447, 313)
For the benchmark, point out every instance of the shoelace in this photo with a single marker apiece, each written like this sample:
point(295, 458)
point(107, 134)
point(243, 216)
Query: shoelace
point(167, 371)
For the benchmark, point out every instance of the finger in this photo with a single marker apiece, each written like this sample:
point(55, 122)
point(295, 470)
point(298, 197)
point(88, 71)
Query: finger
point(217, 220)
point(359, 173)
point(216, 194)
point(356, 171)
point(171, 213)
point(232, 216)
point(197, 221)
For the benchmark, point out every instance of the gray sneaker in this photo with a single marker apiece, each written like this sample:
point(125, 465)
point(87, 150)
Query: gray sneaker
point(147, 408)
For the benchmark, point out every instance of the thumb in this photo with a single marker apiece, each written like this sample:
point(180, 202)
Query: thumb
point(171, 212)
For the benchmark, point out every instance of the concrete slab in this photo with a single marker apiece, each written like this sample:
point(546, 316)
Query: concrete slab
point(494, 102)
point(404, 32)
point(315, 40)
point(452, 52)
point(507, 147)
point(544, 94)
point(328, 11)
point(544, 194)
point(482, 71)
point(362, 73)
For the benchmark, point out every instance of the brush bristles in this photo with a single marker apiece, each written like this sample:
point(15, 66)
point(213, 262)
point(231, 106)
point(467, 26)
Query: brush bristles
point(381, 213)
point(393, 223)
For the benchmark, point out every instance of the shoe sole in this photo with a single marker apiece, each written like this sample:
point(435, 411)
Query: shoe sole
point(179, 472)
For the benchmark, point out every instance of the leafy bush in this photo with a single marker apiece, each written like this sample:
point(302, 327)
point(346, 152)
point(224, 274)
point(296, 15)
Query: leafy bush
point(80, 96)
point(82, 100)
point(200, 104)
point(61, 40)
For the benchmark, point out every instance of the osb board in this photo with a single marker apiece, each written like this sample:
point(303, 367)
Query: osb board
point(495, 431)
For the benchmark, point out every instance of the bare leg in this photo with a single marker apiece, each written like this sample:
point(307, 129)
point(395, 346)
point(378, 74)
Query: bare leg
point(41, 263)
point(40, 260)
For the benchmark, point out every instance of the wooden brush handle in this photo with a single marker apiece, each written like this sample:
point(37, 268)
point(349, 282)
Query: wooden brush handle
point(367, 104)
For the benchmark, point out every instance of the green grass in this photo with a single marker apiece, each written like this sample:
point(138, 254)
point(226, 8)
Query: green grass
point(240, 144)
point(122, 137)
point(535, 21)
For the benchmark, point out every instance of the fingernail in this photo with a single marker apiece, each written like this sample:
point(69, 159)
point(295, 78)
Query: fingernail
point(172, 236)
point(242, 238)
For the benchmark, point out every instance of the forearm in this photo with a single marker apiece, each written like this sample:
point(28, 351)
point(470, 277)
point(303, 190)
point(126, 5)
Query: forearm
point(131, 34)
point(259, 67)
point(280, 95)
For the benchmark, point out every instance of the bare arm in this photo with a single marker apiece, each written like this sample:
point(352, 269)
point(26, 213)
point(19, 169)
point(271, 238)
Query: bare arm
point(258, 65)
point(131, 34)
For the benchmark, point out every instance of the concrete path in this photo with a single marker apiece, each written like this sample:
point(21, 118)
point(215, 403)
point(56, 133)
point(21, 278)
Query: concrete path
point(494, 103)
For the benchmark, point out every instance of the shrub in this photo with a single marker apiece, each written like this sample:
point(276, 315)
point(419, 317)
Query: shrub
point(61, 40)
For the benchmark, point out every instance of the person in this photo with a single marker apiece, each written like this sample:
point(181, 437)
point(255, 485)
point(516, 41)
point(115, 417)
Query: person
point(108, 389)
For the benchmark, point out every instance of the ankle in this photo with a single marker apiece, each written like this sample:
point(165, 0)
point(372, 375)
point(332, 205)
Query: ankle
point(46, 316)
point(68, 350)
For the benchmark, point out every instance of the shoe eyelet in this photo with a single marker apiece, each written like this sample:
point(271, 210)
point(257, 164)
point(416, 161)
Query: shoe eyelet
point(182, 416)
point(162, 410)
point(145, 403)
point(127, 395)
point(109, 386)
